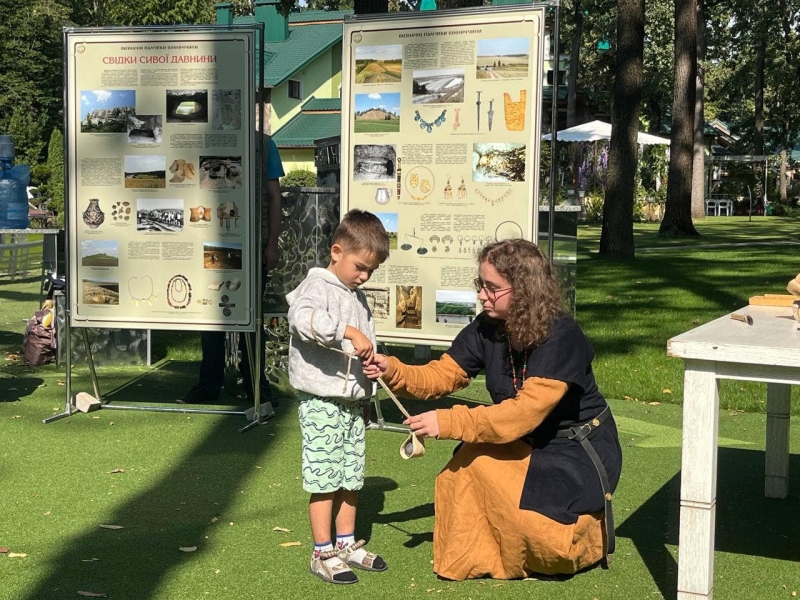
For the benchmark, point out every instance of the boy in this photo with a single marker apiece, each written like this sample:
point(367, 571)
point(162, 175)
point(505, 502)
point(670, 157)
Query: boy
point(328, 309)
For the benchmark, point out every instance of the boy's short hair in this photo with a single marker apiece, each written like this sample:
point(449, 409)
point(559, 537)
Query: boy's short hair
point(362, 230)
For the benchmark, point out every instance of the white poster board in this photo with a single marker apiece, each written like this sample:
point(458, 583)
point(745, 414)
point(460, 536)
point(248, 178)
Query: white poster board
point(441, 127)
point(161, 169)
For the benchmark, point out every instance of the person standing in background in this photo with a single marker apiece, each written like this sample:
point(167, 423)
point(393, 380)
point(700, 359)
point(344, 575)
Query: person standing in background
point(212, 366)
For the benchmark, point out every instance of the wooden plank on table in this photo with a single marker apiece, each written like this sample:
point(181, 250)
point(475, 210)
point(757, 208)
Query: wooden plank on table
point(772, 300)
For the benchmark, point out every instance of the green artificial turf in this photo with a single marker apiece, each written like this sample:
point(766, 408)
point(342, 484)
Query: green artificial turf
point(183, 480)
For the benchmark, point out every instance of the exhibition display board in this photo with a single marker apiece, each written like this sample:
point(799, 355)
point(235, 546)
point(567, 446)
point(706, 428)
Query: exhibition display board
point(162, 178)
point(441, 128)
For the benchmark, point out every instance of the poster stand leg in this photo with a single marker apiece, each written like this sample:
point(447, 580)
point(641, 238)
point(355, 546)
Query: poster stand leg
point(381, 423)
point(260, 411)
point(69, 408)
point(90, 360)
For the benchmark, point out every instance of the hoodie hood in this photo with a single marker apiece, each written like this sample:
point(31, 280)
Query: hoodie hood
point(316, 274)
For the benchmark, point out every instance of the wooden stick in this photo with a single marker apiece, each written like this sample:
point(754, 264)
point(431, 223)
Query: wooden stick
point(743, 318)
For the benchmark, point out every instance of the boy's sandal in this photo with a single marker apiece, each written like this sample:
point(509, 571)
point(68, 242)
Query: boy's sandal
point(329, 567)
point(355, 556)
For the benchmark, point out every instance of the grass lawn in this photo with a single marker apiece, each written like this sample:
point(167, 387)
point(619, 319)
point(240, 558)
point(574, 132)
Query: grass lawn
point(178, 480)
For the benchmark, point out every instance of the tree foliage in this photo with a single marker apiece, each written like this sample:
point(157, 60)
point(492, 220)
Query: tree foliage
point(31, 73)
point(55, 183)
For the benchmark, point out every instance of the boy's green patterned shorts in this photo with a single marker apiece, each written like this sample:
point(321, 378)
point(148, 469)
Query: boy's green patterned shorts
point(333, 444)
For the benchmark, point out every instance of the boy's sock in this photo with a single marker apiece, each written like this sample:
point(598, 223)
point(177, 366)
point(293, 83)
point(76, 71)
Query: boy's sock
point(345, 540)
point(320, 548)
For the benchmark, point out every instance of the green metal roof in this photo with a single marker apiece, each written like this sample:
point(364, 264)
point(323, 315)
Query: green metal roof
point(318, 15)
point(305, 127)
point(322, 104)
point(311, 33)
point(284, 59)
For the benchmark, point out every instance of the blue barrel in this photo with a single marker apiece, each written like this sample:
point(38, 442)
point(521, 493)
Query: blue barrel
point(14, 180)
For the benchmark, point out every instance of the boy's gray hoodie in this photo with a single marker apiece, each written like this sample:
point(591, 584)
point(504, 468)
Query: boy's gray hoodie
point(320, 309)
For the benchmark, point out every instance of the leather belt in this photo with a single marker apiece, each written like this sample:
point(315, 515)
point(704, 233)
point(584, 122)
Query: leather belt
point(580, 433)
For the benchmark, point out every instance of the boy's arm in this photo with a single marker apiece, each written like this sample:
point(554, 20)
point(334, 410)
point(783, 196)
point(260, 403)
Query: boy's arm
point(310, 320)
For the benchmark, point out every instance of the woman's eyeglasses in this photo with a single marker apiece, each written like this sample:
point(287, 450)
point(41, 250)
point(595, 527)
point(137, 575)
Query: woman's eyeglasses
point(492, 293)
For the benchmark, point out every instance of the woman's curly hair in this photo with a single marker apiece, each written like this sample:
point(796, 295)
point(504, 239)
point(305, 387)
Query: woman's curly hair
point(536, 301)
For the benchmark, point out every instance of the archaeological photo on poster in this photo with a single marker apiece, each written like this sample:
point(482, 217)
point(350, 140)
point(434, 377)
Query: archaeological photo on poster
point(441, 139)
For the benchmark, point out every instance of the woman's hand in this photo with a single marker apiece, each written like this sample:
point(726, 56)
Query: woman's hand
point(425, 424)
point(376, 367)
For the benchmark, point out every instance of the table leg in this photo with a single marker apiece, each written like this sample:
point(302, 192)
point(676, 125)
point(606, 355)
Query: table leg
point(776, 467)
point(698, 481)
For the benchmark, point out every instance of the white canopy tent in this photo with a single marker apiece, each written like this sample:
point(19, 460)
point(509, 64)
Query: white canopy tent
point(600, 130)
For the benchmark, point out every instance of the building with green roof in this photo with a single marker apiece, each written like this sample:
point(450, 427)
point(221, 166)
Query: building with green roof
point(302, 67)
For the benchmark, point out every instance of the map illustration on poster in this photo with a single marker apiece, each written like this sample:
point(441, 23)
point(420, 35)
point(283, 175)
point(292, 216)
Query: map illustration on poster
point(441, 129)
point(162, 178)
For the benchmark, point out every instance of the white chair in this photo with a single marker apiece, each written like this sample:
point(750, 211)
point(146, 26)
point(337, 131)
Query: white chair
point(725, 206)
point(711, 208)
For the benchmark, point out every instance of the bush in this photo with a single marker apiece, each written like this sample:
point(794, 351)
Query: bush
point(299, 178)
point(593, 207)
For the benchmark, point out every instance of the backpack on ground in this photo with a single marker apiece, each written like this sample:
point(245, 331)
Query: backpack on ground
point(39, 340)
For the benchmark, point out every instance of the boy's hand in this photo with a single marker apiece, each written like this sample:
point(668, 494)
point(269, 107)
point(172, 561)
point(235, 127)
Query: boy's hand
point(361, 344)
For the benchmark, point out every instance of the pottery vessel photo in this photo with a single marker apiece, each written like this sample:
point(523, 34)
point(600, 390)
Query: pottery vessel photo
point(93, 216)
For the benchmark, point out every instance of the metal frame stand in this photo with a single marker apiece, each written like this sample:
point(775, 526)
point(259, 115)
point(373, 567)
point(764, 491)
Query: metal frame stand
point(263, 410)
point(260, 411)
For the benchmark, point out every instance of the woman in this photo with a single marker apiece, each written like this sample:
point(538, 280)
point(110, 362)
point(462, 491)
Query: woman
point(522, 493)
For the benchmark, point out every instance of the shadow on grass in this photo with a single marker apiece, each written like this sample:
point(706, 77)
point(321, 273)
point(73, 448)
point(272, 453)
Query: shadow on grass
point(18, 388)
point(173, 512)
point(747, 523)
point(642, 292)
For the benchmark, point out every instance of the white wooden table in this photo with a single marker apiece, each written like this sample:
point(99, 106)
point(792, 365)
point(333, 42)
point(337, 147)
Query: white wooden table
point(769, 351)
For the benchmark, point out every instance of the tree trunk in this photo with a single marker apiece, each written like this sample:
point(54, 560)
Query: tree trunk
point(678, 210)
point(699, 167)
point(572, 88)
point(616, 238)
point(574, 64)
point(758, 133)
point(784, 154)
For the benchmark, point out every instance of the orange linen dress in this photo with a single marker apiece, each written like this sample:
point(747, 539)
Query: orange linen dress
point(481, 529)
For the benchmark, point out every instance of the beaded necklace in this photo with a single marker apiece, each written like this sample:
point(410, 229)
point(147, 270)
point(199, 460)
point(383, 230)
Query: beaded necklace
point(514, 367)
point(428, 125)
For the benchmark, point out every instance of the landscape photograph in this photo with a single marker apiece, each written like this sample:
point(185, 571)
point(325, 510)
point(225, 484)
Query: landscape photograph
point(389, 221)
point(438, 86)
point(145, 171)
point(502, 58)
point(456, 307)
point(379, 64)
point(106, 111)
point(377, 113)
point(99, 253)
point(222, 255)
point(100, 290)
